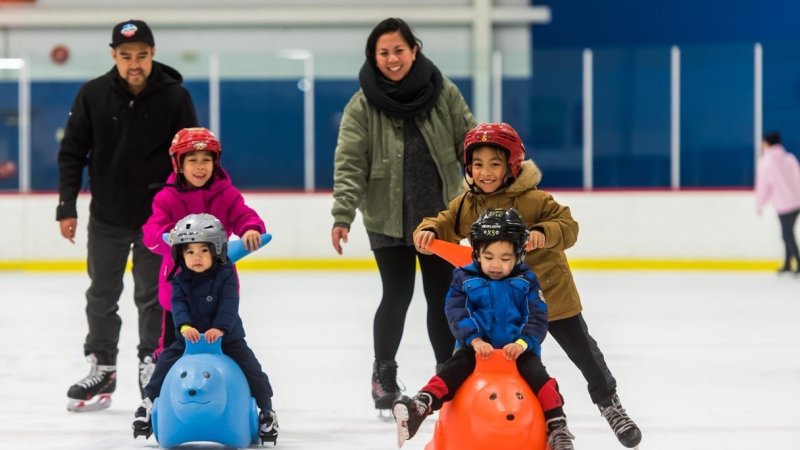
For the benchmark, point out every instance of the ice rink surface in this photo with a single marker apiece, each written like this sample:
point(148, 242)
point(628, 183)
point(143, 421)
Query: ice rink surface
point(703, 360)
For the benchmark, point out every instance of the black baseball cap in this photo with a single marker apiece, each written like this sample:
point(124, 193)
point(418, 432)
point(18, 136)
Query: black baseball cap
point(132, 31)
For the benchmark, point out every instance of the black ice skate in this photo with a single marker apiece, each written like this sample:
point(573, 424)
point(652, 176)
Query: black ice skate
point(626, 430)
point(146, 367)
point(94, 391)
point(268, 427)
point(558, 435)
point(142, 424)
point(409, 413)
point(384, 384)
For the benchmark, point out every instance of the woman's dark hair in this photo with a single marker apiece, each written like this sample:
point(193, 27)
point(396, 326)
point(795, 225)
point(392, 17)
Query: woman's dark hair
point(390, 25)
point(772, 138)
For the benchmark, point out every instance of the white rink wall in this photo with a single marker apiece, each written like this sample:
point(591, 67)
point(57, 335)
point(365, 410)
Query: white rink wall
point(639, 225)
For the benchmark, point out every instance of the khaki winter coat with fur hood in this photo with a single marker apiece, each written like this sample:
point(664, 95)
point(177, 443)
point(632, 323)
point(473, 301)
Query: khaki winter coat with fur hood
point(540, 212)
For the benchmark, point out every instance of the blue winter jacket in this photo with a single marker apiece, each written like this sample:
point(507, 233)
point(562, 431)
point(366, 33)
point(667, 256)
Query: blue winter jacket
point(208, 300)
point(497, 311)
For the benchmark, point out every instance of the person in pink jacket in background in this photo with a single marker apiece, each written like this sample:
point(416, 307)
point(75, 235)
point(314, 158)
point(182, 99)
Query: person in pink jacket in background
point(197, 185)
point(778, 180)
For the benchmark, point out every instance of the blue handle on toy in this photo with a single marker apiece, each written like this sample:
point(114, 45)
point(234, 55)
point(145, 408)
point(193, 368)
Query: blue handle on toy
point(201, 346)
point(236, 249)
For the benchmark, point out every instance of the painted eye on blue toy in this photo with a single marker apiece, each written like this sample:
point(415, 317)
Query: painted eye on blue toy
point(183, 374)
point(206, 374)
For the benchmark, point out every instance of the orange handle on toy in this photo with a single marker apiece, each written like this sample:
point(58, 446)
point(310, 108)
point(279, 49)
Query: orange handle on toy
point(456, 254)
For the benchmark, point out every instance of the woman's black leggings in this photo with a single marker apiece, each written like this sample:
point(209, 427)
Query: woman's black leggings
point(397, 266)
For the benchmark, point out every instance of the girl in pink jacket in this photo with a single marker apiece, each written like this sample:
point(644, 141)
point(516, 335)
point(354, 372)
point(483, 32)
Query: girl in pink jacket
point(197, 185)
point(778, 180)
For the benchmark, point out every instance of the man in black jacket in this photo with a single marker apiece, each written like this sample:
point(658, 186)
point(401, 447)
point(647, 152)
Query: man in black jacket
point(120, 125)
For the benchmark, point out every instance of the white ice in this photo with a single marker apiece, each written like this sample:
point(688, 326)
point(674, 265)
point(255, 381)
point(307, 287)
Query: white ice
point(704, 360)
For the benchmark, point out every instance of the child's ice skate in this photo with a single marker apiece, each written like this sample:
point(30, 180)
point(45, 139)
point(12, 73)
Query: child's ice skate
point(626, 430)
point(409, 413)
point(142, 423)
point(93, 392)
point(558, 435)
point(268, 427)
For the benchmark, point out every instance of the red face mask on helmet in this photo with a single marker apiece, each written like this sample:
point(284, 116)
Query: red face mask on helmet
point(499, 135)
point(193, 140)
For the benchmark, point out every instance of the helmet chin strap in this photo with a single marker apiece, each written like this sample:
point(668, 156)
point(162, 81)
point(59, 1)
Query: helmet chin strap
point(470, 183)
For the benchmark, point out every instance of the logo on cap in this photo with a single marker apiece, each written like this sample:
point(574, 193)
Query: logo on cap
point(199, 145)
point(128, 30)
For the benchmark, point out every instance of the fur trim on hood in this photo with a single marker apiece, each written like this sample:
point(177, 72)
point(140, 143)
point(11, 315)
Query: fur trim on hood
point(529, 178)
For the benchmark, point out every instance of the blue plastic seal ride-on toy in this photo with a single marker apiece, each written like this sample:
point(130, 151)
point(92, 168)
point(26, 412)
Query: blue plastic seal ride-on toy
point(205, 397)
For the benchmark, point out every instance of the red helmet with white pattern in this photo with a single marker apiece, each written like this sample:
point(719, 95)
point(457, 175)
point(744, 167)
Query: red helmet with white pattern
point(193, 140)
point(499, 135)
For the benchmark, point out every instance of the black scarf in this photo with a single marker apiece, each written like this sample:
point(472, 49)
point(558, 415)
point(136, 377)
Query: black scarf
point(413, 95)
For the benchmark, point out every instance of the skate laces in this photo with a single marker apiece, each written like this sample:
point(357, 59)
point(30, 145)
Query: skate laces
point(559, 436)
point(143, 411)
point(91, 380)
point(392, 388)
point(146, 369)
point(387, 378)
point(615, 414)
point(268, 421)
point(422, 403)
point(97, 373)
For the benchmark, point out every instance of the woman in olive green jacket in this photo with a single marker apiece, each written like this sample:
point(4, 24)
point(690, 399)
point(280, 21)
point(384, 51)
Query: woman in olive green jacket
point(397, 160)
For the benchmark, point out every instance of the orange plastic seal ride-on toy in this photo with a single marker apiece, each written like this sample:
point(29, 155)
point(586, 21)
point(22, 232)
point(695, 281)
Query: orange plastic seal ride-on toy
point(493, 410)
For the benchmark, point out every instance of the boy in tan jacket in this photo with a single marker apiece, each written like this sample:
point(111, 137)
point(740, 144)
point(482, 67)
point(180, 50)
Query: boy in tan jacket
point(498, 177)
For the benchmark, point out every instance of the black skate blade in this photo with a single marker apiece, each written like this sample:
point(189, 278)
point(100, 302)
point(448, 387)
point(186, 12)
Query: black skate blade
point(146, 433)
point(96, 403)
point(273, 439)
point(400, 412)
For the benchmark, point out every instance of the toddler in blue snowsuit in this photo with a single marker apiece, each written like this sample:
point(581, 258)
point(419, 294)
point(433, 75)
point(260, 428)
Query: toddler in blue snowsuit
point(205, 299)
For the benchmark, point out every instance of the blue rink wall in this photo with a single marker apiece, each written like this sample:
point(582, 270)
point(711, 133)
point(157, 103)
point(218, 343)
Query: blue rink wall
point(261, 129)
point(262, 120)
